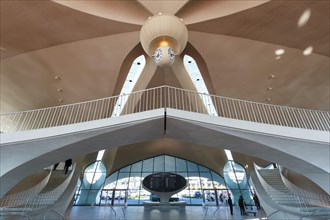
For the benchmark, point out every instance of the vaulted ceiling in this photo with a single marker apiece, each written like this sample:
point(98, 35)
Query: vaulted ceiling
point(91, 44)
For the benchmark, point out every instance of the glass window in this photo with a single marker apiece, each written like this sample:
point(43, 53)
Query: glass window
point(126, 169)
point(181, 165)
point(159, 164)
point(202, 168)
point(127, 181)
point(148, 165)
point(192, 166)
point(218, 181)
point(206, 180)
point(169, 164)
point(137, 167)
point(122, 182)
point(111, 181)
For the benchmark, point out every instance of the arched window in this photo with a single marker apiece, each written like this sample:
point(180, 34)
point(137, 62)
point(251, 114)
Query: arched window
point(125, 184)
point(94, 177)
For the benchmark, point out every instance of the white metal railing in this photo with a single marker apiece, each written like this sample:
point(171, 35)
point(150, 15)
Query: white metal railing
point(21, 198)
point(165, 97)
point(310, 198)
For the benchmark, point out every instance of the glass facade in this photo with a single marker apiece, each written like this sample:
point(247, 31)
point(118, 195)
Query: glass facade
point(124, 186)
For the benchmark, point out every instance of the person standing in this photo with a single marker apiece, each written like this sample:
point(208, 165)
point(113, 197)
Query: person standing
point(241, 205)
point(256, 201)
point(221, 198)
point(68, 163)
point(230, 204)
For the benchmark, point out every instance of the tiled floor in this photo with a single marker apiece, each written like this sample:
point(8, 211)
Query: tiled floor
point(172, 213)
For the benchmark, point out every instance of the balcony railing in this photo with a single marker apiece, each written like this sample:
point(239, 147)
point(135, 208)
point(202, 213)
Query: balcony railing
point(165, 97)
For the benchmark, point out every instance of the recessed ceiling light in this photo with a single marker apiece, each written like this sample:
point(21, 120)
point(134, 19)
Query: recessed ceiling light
point(279, 52)
point(278, 57)
point(269, 88)
point(271, 76)
point(57, 77)
point(304, 18)
point(59, 90)
point(61, 100)
point(268, 99)
point(308, 50)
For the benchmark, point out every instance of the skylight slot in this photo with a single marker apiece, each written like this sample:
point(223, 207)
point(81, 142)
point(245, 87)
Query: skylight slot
point(100, 155)
point(196, 76)
point(229, 155)
point(131, 79)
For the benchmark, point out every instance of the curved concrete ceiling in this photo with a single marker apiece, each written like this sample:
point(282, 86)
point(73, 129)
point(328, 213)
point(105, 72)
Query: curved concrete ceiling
point(124, 11)
point(49, 39)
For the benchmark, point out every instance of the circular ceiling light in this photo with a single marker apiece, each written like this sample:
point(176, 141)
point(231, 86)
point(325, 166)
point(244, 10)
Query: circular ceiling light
point(308, 51)
point(279, 52)
point(163, 37)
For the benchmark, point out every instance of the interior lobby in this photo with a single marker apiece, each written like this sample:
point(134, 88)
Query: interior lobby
point(169, 109)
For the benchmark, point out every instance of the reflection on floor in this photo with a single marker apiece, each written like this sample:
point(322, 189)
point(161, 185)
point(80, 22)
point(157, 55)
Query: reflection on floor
point(173, 213)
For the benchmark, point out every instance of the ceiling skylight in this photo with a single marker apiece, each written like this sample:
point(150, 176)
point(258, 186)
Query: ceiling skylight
point(196, 76)
point(131, 79)
point(229, 155)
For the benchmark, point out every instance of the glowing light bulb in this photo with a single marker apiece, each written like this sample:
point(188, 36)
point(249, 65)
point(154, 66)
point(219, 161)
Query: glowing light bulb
point(163, 43)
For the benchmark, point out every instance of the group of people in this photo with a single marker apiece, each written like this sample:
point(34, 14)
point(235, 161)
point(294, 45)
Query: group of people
point(241, 204)
point(67, 165)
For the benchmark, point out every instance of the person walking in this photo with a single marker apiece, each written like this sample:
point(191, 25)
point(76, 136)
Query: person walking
point(241, 205)
point(68, 164)
point(230, 204)
point(56, 165)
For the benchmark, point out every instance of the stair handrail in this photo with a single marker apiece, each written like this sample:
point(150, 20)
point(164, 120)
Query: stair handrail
point(277, 211)
point(165, 97)
point(310, 198)
point(57, 213)
point(49, 198)
point(21, 198)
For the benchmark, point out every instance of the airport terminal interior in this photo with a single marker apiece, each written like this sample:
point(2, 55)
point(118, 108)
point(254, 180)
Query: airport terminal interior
point(165, 109)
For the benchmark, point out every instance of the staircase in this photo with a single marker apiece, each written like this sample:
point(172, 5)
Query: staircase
point(56, 185)
point(278, 191)
point(282, 192)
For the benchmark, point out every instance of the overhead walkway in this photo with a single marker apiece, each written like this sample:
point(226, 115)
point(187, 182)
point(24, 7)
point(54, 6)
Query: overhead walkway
point(296, 138)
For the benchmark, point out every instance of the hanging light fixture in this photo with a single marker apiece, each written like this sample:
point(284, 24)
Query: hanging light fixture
point(163, 37)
